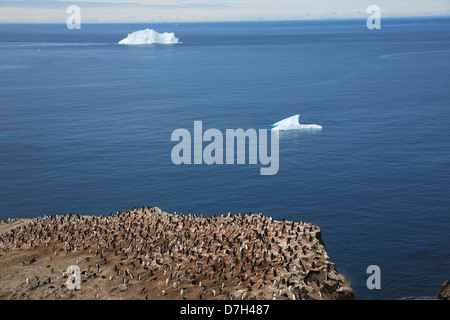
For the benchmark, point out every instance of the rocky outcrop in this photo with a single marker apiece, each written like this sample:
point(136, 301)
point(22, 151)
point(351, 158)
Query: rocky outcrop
point(147, 253)
point(444, 294)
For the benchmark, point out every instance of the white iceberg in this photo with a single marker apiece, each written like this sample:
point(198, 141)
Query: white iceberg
point(149, 36)
point(292, 123)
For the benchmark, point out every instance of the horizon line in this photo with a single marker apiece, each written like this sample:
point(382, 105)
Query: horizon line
point(256, 20)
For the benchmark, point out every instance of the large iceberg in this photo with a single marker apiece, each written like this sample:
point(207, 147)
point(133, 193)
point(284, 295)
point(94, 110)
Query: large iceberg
point(149, 36)
point(292, 123)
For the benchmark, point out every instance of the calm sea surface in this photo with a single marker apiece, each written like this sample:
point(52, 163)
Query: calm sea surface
point(85, 127)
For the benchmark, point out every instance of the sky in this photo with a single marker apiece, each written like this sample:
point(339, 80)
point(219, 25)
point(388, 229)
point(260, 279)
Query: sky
point(116, 11)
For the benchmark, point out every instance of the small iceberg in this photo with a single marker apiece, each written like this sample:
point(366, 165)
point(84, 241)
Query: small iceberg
point(292, 123)
point(149, 36)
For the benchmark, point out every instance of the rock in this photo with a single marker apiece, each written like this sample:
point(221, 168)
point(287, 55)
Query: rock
point(33, 285)
point(444, 294)
point(36, 282)
point(345, 292)
point(123, 287)
point(32, 259)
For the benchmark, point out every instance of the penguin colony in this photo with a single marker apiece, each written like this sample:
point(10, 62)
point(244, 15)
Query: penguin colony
point(151, 254)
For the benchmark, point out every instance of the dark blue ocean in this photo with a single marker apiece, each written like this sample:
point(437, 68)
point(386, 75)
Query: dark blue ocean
point(86, 124)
